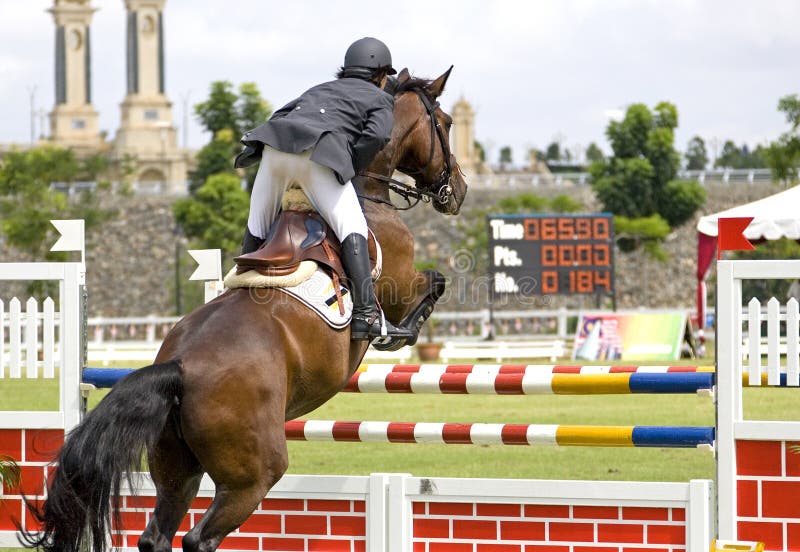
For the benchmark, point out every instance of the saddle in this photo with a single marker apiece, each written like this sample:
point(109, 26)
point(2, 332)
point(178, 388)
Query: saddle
point(295, 236)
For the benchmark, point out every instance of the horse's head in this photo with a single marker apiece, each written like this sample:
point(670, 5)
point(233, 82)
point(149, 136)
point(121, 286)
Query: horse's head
point(420, 144)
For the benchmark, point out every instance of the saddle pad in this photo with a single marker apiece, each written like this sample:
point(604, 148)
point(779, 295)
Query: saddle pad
point(318, 294)
point(309, 285)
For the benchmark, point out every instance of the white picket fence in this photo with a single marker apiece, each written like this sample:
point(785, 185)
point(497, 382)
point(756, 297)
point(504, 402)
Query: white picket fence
point(781, 347)
point(39, 356)
point(34, 343)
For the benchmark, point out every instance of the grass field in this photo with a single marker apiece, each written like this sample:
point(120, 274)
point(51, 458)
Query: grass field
point(494, 461)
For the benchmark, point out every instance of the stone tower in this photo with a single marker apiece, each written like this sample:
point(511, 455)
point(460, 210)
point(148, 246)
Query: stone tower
point(146, 131)
point(73, 121)
point(464, 136)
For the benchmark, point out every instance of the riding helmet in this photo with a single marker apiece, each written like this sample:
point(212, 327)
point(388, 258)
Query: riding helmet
point(370, 53)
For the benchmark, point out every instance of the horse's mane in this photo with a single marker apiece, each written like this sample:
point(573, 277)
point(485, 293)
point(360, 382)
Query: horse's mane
point(413, 84)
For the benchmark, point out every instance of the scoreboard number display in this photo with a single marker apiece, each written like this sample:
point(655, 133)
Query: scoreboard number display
point(552, 254)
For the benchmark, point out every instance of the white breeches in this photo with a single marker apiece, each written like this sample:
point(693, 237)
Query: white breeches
point(337, 204)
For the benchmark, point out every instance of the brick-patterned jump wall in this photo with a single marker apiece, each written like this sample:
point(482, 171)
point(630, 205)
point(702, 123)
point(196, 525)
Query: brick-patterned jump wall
point(33, 450)
point(768, 493)
point(480, 527)
point(335, 513)
point(277, 524)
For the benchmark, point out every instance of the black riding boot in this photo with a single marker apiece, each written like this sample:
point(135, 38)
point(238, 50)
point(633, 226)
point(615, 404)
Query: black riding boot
point(366, 323)
point(250, 242)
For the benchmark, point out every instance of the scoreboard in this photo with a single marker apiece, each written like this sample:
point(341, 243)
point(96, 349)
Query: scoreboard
point(552, 254)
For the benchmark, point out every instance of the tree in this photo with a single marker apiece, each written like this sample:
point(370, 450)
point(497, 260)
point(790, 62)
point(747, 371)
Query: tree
point(28, 202)
point(505, 157)
point(783, 155)
point(553, 152)
point(219, 110)
point(215, 217)
point(594, 153)
point(729, 157)
point(735, 157)
point(480, 151)
point(638, 180)
point(227, 115)
point(214, 158)
point(696, 154)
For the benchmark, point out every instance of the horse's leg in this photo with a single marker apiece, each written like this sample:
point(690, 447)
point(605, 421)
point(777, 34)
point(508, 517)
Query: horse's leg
point(241, 444)
point(406, 296)
point(176, 474)
point(236, 498)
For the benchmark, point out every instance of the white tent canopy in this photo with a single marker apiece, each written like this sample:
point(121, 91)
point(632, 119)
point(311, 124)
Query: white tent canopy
point(774, 217)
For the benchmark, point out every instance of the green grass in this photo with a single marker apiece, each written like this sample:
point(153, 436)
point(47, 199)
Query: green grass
point(601, 463)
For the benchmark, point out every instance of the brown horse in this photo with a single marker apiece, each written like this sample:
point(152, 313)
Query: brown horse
point(231, 372)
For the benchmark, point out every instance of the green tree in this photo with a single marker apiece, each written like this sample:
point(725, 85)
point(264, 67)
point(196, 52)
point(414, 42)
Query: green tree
point(696, 154)
point(594, 153)
point(638, 180)
point(219, 110)
point(480, 151)
point(729, 157)
point(505, 157)
point(251, 108)
point(644, 232)
point(535, 155)
point(735, 157)
point(783, 155)
point(227, 115)
point(216, 215)
point(214, 158)
point(553, 152)
point(563, 203)
point(28, 202)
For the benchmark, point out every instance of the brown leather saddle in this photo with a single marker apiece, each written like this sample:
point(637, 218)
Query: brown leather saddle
point(295, 236)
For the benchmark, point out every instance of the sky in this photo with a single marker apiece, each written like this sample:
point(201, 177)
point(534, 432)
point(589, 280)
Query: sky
point(535, 71)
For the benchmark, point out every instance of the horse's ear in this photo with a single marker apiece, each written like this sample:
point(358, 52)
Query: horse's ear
point(403, 76)
point(437, 87)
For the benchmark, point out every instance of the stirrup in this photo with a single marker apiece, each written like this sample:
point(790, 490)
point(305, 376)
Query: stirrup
point(376, 326)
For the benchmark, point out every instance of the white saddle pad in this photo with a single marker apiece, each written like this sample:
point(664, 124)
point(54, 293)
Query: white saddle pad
point(309, 285)
point(318, 294)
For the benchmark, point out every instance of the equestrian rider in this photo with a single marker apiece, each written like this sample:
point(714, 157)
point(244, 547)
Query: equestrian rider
point(322, 140)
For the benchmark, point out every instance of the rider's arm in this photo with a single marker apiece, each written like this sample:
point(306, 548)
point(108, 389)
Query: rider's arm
point(376, 134)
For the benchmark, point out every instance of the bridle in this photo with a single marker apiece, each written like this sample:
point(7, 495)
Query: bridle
point(441, 191)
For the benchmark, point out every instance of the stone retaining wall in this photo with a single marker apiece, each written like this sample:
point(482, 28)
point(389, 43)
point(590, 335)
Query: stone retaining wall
point(132, 258)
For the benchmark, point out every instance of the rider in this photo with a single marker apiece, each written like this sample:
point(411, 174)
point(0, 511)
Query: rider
point(322, 140)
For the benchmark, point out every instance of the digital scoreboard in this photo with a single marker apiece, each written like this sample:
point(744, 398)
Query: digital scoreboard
point(552, 254)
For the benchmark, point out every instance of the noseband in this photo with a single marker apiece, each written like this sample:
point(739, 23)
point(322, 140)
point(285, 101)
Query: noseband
point(442, 190)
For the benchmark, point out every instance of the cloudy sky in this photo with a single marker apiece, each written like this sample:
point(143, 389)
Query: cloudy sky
point(534, 70)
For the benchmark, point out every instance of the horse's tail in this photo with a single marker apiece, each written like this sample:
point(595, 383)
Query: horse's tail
point(84, 490)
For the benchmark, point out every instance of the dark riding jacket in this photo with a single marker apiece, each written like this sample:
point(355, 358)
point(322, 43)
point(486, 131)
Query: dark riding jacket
point(345, 122)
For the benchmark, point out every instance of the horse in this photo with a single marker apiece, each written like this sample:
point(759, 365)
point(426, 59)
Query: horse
point(230, 373)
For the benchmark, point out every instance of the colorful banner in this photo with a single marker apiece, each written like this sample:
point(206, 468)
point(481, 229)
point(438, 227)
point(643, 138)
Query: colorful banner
point(629, 336)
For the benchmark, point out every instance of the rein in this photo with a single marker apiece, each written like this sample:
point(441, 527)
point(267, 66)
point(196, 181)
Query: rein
point(402, 189)
point(443, 190)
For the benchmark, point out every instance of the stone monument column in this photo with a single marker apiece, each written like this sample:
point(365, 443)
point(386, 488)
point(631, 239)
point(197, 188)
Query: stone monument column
point(73, 121)
point(464, 136)
point(146, 130)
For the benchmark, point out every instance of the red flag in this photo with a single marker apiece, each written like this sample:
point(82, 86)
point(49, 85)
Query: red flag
point(731, 234)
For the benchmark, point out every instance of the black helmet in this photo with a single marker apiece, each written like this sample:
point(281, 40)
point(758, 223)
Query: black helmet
point(370, 53)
